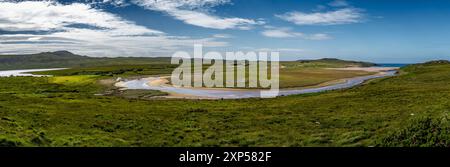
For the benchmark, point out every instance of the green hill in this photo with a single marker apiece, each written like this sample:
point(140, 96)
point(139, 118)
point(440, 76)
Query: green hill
point(337, 62)
point(65, 59)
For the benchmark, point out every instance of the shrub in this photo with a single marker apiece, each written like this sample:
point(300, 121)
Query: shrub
point(420, 132)
point(9, 143)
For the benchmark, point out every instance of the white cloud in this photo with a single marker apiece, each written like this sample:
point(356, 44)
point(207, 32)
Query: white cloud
point(48, 16)
point(222, 36)
point(280, 50)
point(116, 2)
point(319, 36)
point(100, 3)
point(92, 43)
point(340, 16)
point(339, 3)
point(288, 33)
point(198, 13)
point(99, 33)
point(281, 33)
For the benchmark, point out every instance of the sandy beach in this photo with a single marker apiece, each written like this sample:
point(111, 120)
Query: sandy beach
point(367, 69)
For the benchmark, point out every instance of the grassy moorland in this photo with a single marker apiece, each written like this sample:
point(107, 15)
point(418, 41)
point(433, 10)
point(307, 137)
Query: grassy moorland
point(292, 74)
point(296, 75)
point(410, 109)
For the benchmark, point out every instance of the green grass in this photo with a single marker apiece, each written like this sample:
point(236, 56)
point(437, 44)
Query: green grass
point(115, 70)
point(327, 63)
point(74, 80)
point(302, 76)
point(384, 112)
point(139, 94)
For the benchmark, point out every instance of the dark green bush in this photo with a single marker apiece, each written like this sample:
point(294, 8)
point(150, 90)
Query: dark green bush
point(9, 143)
point(420, 132)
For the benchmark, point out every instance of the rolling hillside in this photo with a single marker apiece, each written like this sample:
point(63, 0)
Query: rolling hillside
point(334, 61)
point(66, 59)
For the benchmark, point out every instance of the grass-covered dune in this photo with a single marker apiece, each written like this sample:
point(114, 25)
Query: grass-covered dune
point(406, 110)
point(326, 62)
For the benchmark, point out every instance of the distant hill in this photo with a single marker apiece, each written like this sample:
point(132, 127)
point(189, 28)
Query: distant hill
point(334, 61)
point(64, 59)
point(436, 62)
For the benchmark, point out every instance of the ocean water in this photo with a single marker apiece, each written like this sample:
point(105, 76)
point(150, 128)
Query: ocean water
point(391, 65)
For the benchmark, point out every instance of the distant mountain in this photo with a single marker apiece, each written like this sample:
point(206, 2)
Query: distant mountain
point(65, 59)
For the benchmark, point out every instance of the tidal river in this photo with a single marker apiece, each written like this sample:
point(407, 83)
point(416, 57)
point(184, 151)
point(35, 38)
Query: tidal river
point(143, 83)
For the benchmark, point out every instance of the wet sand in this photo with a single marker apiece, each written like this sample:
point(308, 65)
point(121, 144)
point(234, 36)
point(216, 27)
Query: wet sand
point(367, 69)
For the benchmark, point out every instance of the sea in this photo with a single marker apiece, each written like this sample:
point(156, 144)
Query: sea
point(391, 65)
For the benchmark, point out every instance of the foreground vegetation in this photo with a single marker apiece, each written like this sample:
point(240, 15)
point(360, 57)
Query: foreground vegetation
point(406, 110)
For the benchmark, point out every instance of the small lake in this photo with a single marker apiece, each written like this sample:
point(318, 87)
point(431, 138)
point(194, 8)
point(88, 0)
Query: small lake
point(9, 73)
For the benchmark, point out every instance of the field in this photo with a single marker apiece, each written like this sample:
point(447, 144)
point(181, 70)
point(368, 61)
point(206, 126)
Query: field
point(407, 110)
point(292, 74)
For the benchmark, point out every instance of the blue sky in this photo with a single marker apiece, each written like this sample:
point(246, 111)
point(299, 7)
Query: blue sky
point(383, 31)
